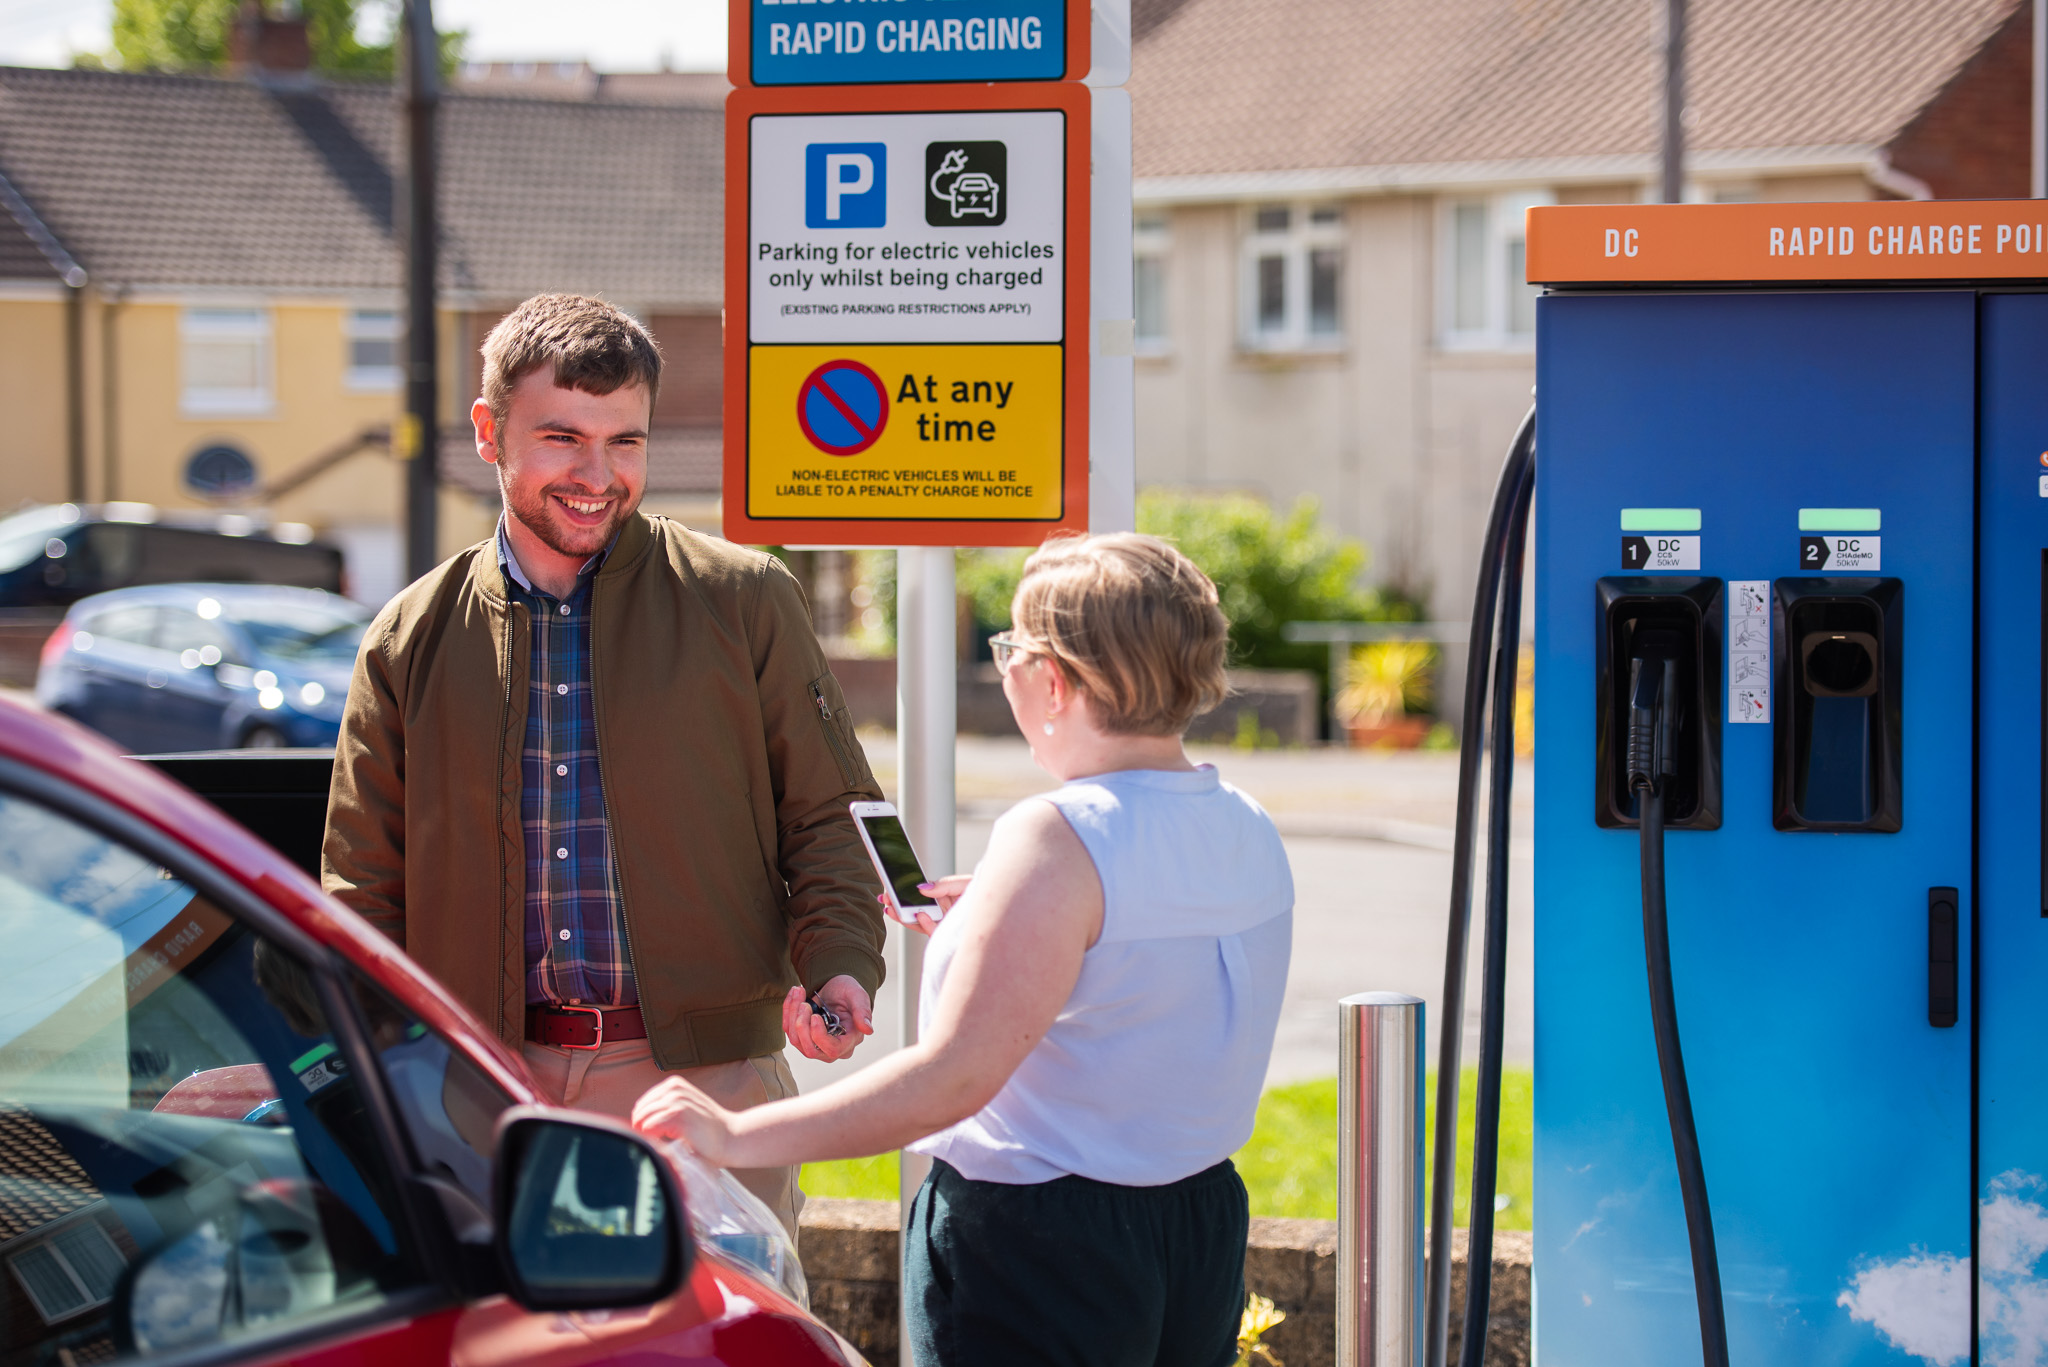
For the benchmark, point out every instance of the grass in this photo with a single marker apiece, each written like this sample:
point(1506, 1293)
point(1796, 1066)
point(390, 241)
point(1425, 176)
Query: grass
point(1290, 1164)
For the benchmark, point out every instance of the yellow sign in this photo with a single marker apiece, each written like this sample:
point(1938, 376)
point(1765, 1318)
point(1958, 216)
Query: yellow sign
point(931, 431)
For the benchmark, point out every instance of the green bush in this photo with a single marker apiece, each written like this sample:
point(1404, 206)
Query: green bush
point(1270, 568)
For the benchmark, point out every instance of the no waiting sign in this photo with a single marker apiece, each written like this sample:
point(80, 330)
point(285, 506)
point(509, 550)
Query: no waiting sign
point(910, 269)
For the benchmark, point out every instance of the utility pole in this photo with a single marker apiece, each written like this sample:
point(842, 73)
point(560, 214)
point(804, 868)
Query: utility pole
point(1674, 101)
point(419, 432)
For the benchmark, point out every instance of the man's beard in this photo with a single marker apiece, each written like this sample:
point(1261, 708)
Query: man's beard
point(543, 518)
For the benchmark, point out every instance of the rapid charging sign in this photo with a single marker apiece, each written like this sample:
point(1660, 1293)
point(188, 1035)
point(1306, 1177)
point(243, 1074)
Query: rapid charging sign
point(814, 42)
point(911, 271)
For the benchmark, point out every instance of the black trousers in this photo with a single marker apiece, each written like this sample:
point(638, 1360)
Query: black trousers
point(1076, 1273)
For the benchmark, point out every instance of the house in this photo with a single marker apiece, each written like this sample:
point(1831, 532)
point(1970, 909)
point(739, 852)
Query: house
point(1330, 196)
point(199, 288)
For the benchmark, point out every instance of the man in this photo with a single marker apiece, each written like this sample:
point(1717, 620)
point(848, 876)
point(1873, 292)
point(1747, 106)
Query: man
point(594, 773)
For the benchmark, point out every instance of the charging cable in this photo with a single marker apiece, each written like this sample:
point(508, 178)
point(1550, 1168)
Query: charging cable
point(1652, 761)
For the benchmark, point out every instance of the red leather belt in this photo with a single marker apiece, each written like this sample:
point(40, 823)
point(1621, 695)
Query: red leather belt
point(583, 1027)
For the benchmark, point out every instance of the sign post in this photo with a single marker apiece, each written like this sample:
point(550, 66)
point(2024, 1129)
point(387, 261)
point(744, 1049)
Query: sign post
point(909, 336)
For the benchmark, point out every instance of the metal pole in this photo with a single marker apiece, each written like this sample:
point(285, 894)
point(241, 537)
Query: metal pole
point(419, 433)
point(1674, 101)
point(927, 671)
point(1379, 1180)
point(2039, 179)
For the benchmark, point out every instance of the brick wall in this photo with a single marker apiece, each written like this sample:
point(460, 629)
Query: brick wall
point(1971, 141)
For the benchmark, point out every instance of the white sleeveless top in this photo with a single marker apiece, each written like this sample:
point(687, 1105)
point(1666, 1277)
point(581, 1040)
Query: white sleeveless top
point(1153, 1068)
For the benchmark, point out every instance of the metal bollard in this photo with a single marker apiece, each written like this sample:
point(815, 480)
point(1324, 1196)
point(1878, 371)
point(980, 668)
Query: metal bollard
point(1379, 1180)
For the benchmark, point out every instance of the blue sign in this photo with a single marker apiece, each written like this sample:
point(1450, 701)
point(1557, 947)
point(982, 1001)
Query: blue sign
point(846, 184)
point(805, 42)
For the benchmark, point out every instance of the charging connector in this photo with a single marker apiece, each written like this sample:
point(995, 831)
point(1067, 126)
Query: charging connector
point(1655, 699)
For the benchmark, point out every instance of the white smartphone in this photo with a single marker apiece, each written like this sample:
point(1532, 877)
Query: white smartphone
point(881, 830)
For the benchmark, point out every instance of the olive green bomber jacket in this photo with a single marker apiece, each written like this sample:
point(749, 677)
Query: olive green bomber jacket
point(728, 760)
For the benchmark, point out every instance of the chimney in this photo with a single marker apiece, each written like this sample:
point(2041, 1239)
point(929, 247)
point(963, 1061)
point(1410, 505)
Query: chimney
point(266, 46)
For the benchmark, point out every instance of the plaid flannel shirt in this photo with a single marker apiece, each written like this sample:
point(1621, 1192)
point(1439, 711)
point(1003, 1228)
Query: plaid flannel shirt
point(575, 937)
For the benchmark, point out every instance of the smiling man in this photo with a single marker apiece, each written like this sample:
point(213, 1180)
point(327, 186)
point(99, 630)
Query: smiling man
point(594, 773)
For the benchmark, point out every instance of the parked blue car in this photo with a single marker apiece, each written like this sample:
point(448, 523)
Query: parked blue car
point(175, 667)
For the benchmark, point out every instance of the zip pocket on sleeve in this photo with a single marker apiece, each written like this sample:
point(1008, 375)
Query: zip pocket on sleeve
point(835, 723)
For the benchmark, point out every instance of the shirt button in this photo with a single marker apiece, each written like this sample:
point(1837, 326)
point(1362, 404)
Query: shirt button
point(562, 853)
point(561, 934)
point(565, 609)
point(561, 768)
point(561, 688)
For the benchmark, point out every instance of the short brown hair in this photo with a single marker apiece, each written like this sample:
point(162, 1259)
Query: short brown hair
point(592, 346)
point(1132, 623)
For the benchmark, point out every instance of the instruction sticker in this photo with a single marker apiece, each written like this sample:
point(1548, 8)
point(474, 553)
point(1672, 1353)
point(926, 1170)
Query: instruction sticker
point(1749, 650)
point(1854, 554)
point(1660, 552)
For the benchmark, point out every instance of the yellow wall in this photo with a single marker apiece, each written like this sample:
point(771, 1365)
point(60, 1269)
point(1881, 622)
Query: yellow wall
point(313, 410)
point(32, 397)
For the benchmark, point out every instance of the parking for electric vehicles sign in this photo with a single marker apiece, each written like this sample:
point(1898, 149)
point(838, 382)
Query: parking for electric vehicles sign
point(910, 270)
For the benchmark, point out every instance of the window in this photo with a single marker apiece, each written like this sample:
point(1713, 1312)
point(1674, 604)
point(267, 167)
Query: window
point(1487, 304)
point(374, 339)
point(176, 1118)
point(1149, 247)
point(227, 361)
point(1293, 277)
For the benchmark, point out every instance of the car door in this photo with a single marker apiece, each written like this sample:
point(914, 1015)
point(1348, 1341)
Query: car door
point(115, 652)
point(189, 1161)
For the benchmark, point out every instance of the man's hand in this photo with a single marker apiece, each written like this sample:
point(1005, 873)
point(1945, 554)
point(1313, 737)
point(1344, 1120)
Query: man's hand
point(675, 1109)
point(806, 1030)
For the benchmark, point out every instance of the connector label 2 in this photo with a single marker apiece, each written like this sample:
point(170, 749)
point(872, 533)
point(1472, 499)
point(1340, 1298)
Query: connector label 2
point(1749, 650)
point(1660, 552)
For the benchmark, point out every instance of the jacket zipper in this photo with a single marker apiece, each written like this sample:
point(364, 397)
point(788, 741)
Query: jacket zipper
point(832, 740)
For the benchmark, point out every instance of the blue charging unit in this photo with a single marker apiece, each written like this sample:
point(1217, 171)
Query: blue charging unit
point(1826, 480)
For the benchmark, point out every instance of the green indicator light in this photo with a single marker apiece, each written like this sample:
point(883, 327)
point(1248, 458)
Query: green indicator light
point(1838, 519)
point(1660, 519)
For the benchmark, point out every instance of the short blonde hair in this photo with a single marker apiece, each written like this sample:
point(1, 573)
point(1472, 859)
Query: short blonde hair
point(1132, 623)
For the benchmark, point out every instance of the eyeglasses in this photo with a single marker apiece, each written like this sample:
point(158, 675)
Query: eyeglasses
point(1007, 649)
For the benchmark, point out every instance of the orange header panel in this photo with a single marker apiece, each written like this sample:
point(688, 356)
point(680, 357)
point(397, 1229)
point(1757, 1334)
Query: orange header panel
point(1957, 239)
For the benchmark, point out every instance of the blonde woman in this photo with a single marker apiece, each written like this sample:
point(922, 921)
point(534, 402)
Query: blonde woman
point(1098, 1007)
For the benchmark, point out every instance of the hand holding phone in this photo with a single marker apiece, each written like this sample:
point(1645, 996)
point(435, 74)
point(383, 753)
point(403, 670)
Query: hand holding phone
point(888, 845)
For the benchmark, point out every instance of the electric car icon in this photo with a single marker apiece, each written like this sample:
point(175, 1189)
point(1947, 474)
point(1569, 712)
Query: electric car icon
point(966, 192)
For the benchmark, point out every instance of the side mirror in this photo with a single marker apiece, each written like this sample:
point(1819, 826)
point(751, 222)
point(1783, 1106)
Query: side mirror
point(588, 1215)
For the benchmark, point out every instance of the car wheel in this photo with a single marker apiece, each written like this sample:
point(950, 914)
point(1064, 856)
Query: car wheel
point(264, 738)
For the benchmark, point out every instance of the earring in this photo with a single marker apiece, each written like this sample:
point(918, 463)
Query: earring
point(1048, 726)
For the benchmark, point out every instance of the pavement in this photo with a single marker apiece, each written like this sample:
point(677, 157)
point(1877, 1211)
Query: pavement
point(1368, 834)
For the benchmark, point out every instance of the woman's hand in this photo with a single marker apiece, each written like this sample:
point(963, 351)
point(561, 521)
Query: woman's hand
point(944, 891)
point(675, 1109)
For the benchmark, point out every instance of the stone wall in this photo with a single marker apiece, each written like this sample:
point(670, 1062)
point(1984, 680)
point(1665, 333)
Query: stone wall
point(850, 1254)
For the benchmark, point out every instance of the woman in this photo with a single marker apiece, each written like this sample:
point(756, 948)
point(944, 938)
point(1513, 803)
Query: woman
point(1098, 1006)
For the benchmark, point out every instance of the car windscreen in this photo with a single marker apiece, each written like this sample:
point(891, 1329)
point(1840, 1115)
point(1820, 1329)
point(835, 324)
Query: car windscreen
point(24, 537)
point(312, 633)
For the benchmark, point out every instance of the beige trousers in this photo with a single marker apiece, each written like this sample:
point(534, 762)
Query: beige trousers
point(610, 1078)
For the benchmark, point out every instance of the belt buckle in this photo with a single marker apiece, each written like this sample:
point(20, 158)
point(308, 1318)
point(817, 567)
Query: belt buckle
point(597, 1018)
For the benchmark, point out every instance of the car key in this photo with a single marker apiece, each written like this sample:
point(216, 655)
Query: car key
point(833, 1025)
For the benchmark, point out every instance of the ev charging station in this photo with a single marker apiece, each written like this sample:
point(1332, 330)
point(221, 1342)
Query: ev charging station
point(1791, 569)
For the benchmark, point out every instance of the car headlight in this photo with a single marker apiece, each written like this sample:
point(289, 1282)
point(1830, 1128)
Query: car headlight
point(732, 1222)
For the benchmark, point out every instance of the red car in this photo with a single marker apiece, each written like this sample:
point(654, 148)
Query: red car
point(238, 1126)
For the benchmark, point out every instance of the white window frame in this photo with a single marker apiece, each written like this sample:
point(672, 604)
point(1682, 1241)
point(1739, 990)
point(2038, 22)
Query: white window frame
point(372, 324)
point(1504, 230)
point(1152, 241)
point(225, 323)
point(56, 1314)
point(1293, 245)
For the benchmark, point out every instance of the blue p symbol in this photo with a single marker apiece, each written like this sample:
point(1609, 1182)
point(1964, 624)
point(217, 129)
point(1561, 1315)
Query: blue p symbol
point(846, 184)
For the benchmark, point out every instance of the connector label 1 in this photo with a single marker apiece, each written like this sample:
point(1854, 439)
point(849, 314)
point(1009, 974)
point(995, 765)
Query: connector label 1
point(1660, 552)
point(1749, 650)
